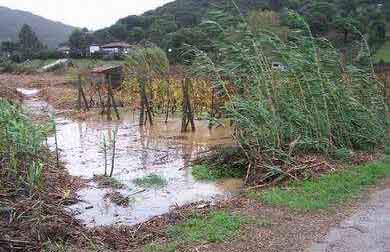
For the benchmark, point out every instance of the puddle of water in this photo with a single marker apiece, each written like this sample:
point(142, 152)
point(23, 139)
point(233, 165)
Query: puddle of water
point(34, 104)
point(161, 149)
point(28, 92)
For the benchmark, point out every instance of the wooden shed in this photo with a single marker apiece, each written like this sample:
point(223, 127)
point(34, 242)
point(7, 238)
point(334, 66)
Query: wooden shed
point(108, 75)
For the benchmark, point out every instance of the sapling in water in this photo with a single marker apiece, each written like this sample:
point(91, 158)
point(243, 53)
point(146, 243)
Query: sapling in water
point(113, 145)
point(104, 147)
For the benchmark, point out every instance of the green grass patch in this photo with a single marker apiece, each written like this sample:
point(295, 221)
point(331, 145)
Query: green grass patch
point(383, 54)
point(214, 227)
point(326, 191)
point(152, 180)
point(169, 247)
point(203, 172)
point(92, 63)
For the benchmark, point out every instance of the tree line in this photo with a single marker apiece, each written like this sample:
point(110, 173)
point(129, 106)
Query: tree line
point(182, 22)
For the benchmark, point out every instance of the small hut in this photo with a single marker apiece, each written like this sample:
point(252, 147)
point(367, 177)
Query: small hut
point(103, 80)
point(108, 74)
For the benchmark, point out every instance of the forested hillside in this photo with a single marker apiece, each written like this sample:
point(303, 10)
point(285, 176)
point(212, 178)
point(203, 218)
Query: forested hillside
point(339, 20)
point(49, 32)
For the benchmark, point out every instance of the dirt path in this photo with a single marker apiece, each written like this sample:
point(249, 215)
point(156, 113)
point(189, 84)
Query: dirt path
point(367, 230)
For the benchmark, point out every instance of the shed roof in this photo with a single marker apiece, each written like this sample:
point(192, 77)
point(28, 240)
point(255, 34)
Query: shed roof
point(116, 45)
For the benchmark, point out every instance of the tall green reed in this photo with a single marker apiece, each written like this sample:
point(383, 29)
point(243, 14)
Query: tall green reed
point(20, 145)
point(316, 104)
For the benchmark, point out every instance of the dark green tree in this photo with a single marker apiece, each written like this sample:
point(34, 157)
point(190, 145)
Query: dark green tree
point(30, 45)
point(9, 47)
point(347, 26)
point(79, 40)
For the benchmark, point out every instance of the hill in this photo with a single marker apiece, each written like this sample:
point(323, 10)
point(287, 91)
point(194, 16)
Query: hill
point(340, 17)
point(171, 17)
point(49, 32)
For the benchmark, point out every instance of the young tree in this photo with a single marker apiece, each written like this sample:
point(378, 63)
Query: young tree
point(79, 40)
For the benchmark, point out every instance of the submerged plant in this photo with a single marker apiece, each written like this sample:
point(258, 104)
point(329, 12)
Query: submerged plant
point(152, 180)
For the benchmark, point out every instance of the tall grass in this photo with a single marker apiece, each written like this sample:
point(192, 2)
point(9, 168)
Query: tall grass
point(316, 104)
point(20, 145)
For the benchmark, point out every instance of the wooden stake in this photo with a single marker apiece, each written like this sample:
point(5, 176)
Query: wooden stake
point(82, 94)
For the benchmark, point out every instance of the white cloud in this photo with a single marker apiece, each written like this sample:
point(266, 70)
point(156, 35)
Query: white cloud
point(92, 14)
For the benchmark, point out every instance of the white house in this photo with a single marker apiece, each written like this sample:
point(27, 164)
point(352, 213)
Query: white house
point(94, 48)
point(116, 48)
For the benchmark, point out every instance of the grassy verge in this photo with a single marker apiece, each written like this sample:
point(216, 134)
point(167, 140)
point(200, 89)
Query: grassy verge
point(152, 180)
point(214, 227)
point(328, 190)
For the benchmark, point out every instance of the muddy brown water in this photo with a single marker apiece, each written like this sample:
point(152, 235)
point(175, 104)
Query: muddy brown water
point(141, 151)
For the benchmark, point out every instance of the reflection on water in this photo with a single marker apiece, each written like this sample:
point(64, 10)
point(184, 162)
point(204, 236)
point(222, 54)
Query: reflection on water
point(160, 149)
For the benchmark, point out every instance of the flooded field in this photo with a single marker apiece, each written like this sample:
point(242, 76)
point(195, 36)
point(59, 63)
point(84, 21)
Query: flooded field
point(161, 151)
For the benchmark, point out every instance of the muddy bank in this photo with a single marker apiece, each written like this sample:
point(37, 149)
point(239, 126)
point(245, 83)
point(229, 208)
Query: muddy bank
point(57, 89)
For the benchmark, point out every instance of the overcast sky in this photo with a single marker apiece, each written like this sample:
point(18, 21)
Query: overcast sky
point(93, 14)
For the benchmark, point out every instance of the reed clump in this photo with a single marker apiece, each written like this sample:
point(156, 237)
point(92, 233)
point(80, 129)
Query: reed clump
point(21, 143)
point(313, 104)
